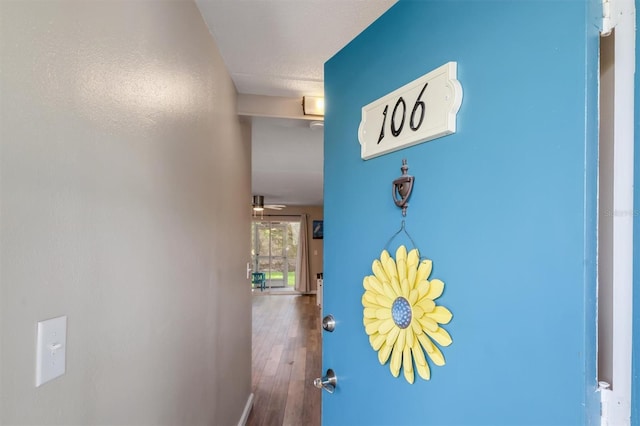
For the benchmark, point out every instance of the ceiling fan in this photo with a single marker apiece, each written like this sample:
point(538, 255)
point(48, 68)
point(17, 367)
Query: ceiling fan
point(258, 204)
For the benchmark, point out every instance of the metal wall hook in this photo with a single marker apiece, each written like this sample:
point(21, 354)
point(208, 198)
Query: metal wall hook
point(403, 228)
point(402, 187)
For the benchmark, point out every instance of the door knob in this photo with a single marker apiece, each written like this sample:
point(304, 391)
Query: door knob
point(328, 382)
point(329, 323)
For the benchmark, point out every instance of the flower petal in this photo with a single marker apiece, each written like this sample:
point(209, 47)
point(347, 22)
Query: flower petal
point(417, 311)
point(377, 340)
point(395, 284)
point(370, 313)
point(436, 356)
point(402, 269)
point(424, 270)
point(383, 313)
point(392, 336)
point(390, 268)
point(365, 283)
point(421, 362)
point(386, 326)
point(407, 364)
point(404, 285)
point(426, 343)
point(428, 324)
point(418, 354)
point(384, 301)
point(423, 288)
point(401, 253)
point(370, 297)
point(401, 263)
point(441, 315)
point(366, 321)
point(423, 371)
point(372, 325)
point(371, 283)
point(426, 304)
point(436, 287)
point(389, 292)
point(368, 304)
point(383, 354)
point(416, 326)
point(413, 296)
point(411, 276)
point(396, 360)
point(441, 336)
point(413, 258)
point(378, 271)
point(409, 336)
point(401, 339)
point(384, 256)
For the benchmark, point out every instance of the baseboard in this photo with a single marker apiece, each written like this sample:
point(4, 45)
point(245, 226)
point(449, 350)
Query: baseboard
point(247, 410)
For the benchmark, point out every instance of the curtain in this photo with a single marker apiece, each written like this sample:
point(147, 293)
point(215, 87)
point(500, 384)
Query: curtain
point(303, 283)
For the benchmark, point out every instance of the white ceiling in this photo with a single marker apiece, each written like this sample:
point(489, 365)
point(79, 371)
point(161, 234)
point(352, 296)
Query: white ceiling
point(278, 48)
point(287, 159)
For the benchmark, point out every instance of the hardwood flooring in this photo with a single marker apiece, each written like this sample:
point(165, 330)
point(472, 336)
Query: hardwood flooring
point(286, 357)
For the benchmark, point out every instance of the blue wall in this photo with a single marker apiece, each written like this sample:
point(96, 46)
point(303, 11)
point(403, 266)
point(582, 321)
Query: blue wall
point(505, 208)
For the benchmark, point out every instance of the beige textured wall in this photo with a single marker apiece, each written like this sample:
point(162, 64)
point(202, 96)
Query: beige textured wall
point(315, 246)
point(118, 141)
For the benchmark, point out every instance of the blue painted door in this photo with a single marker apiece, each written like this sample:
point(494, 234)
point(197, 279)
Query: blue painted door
point(505, 208)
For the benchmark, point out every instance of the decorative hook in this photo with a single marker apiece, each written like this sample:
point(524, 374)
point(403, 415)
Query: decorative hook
point(403, 228)
point(402, 187)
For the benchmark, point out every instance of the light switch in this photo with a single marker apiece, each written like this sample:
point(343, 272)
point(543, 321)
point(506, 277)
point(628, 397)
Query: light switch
point(51, 349)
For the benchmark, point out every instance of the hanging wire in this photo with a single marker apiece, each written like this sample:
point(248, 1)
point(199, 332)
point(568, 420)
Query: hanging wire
point(403, 228)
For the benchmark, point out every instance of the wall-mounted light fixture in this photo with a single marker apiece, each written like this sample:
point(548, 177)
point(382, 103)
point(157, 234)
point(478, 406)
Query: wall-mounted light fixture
point(313, 105)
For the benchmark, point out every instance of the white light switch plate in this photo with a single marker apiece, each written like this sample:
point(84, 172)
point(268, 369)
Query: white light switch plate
point(51, 349)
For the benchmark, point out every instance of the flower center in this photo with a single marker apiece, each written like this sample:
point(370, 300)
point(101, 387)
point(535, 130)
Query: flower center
point(401, 312)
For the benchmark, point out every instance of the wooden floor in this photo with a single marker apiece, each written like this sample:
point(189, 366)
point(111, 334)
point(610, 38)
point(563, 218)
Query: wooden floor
point(286, 358)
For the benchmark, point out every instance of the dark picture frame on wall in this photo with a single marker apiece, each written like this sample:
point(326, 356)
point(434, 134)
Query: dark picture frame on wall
point(318, 231)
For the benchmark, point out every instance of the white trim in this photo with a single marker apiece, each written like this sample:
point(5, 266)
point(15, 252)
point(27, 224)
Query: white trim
point(609, 16)
point(247, 410)
point(617, 401)
point(605, 402)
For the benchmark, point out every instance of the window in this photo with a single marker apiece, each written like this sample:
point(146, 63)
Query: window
point(274, 248)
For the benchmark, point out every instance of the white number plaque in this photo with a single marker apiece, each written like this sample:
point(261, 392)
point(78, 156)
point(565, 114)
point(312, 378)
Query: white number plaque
point(420, 111)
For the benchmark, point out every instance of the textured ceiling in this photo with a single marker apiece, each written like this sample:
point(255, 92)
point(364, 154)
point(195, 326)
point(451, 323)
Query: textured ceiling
point(278, 48)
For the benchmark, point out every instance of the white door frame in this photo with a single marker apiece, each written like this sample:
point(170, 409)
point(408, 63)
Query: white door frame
point(616, 401)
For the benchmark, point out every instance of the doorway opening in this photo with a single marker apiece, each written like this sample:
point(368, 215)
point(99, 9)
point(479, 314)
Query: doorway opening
point(616, 213)
point(274, 249)
point(605, 207)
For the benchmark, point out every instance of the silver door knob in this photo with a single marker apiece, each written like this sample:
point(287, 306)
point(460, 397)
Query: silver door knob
point(329, 323)
point(328, 382)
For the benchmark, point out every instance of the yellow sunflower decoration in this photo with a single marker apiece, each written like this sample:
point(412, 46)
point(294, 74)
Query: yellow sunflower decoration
point(400, 313)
